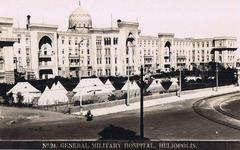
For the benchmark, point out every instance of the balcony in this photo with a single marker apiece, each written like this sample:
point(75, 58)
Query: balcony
point(7, 38)
point(44, 56)
point(181, 57)
point(74, 65)
point(45, 65)
point(224, 47)
point(73, 56)
point(148, 62)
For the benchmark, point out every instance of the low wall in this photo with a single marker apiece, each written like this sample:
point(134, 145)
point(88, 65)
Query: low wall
point(120, 102)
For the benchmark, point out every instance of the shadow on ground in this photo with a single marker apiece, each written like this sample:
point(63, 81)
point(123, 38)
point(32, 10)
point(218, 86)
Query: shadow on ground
point(118, 133)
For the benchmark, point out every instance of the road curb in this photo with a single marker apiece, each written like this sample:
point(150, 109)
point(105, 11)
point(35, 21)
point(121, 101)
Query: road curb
point(212, 114)
point(155, 102)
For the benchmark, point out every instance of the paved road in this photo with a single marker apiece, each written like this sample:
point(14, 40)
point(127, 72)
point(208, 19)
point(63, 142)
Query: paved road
point(170, 121)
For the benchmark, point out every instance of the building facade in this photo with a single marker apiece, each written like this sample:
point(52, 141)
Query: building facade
point(7, 40)
point(41, 51)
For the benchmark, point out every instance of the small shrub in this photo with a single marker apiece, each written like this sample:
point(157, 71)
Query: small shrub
point(112, 97)
point(86, 102)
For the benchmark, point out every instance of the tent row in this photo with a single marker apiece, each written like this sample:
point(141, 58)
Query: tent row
point(85, 90)
point(156, 86)
point(58, 94)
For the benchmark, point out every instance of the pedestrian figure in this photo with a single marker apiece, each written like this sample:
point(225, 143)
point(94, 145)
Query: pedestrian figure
point(89, 115)
point(69, 110)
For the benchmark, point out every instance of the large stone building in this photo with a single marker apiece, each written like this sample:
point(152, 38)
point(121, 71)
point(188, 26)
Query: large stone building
point(41, 51)
point(6, 50)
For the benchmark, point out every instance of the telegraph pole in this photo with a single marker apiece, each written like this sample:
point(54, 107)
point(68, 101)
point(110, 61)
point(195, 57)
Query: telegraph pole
point(128, 85)
point(141, 106)
point(216, 76)
point(180, 81)
point(79, 70)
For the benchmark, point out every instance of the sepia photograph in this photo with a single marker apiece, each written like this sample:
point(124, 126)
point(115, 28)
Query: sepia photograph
point(120, 74)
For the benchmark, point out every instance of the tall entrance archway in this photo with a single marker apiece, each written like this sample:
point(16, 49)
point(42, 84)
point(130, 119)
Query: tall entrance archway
point(167, 56)
point(45, 57)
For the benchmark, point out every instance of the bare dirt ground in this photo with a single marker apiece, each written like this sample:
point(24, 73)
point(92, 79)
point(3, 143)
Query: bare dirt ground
point(13, 117)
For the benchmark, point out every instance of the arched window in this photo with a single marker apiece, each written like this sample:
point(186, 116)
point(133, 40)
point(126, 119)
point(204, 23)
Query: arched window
point(44, 40)
point(168, 44)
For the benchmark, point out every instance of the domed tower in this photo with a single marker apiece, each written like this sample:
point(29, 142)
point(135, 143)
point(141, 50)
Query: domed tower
point(80, 19)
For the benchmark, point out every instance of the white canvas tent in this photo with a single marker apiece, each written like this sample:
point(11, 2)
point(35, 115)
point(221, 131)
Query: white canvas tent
point(55, 95)
point(134, 89)
point(156, 86)
point(174, 86)
point(27, 91)
point(88, 83)
point(59, 87)
point(45, 98)
point(109, 85)
point(91, 87)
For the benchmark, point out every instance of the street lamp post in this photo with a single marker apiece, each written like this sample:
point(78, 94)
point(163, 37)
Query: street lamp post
point(79, 60)
point(79, 74)
point(80, 104)
point(216, 76)
point(180, 81)
point(128, 84)
point(141, 106)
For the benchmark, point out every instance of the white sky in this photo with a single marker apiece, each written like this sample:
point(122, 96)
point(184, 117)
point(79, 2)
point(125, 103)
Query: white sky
point(185, 18)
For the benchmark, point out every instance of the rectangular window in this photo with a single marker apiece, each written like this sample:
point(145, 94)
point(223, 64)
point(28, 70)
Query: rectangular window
point(1, 65)
point(27, 40)
point(115, 41)
point(98, 42)
point(116, 70)
point(107, 41)
point(106, 60)
point(106, 51)
point(27, 51)
point(19, 38)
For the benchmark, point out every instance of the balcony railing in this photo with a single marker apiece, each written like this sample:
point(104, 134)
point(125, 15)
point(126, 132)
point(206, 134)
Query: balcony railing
point(44, 56)
point(181, 57)
point(74, 56)
point(73, 64)
point(45, 65)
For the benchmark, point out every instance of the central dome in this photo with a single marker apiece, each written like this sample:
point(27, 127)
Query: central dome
point(80, 18)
